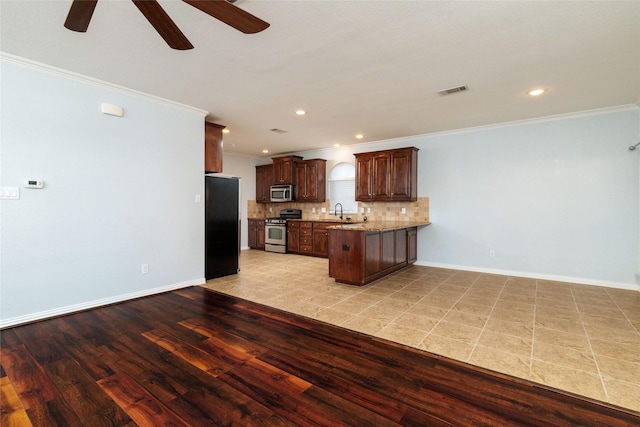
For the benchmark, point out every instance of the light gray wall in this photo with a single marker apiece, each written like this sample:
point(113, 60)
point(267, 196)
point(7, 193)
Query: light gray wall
point(244, 168)
point(554, 198)
point(119, 193)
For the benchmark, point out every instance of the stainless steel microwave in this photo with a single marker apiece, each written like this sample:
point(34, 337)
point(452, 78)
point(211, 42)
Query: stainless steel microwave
point(282, 193)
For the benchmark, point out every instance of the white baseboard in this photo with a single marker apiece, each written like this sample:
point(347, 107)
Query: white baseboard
point(14, 321)
point(579, 280)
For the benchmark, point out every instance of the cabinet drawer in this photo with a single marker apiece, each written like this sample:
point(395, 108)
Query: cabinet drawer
point(306, 248)
point(305, 224)
point(293, 225)
point(306, 240)
point(306, 232)
point(323, 225)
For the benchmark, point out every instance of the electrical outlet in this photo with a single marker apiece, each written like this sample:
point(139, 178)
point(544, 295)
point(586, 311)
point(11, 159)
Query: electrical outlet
point(313, 210)
point(270, 209)
point(404, 210)
point(361, 210)
point(144, 269)
point(198, 198)
point(492, 253)
point(324, 210)
point(368, 210)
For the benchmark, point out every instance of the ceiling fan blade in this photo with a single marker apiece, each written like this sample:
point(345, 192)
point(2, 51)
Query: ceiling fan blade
point(80, 15)
point(230, 15)
point(163, 24)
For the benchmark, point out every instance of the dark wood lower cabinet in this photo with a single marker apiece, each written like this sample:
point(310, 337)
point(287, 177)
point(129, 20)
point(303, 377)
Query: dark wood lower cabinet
point(321, 238)
point(359, 257)
point(412, 244)
point(309, 237)
point(256, 233)
point(293, 237)
point(306, 237)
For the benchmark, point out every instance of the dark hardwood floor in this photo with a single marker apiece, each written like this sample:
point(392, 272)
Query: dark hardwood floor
point(196, 357)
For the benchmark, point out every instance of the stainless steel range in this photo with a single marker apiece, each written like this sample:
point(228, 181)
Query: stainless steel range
point(275, 236)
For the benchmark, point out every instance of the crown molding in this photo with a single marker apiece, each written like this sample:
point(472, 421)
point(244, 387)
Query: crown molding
point(38, 66)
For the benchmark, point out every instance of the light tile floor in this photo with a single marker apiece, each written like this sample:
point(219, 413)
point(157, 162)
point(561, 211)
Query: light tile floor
point(579, 338)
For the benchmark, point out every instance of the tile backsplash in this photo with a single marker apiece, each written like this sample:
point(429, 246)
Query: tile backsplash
point(374, 211)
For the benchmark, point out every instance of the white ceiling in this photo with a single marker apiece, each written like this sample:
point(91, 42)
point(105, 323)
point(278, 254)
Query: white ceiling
point(355, 66)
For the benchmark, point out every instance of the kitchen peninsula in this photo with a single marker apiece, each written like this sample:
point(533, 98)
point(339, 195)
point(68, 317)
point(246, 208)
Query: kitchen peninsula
point(363, 252)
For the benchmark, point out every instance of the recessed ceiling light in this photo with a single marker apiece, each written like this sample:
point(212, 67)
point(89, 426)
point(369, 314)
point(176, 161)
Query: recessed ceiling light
point(359, 136)
point(336, 145)
point(301, 112)
point(536, 92)
point(265, 151)
point(225, 131)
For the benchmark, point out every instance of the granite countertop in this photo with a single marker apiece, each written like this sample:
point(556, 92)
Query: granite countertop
point(324, 220)
point(379, 225)
point(363, 226)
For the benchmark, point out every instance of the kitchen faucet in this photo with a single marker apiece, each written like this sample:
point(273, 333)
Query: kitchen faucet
point(335, 209)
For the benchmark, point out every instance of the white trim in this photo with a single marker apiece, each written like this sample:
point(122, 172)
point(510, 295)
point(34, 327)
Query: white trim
point(96, 82)
point(14, 321)
point(385, 143)
point(578, 280)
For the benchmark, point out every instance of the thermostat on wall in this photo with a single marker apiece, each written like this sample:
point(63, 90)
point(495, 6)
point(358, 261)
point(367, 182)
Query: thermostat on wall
point(32, 183)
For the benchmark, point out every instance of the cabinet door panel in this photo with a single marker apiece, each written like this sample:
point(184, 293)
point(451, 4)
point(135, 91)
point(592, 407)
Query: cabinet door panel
point(212, 147)
point(252, 237)
point(401, 246)
point(400, 171)
point(293, 236)
point(320, 241)
point(301, 182)
point(264, 180)
point(311, 182)
point(373, 255)
point(412, 244)
point(381, 170)
point(364, 170)
point(388, 249)
point(260, 235)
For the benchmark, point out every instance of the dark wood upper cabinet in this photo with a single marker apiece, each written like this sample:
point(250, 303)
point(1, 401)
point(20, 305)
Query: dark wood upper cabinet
point(284, 169)
point(364, 172)
point(388, 175)
point(311, 184)
point(264, 180)
point(212, 147)
point(381, 176)
point(404, 175)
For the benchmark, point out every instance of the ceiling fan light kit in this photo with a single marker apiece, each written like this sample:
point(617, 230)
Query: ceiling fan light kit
point(81, 12)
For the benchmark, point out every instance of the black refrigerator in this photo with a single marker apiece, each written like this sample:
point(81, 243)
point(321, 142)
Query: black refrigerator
point(222, 226)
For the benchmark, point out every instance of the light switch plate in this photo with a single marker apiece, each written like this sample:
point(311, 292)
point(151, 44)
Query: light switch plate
point(10, 193)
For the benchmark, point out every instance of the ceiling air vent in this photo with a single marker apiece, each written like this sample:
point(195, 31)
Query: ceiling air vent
point(453, 90)
point(276, 130)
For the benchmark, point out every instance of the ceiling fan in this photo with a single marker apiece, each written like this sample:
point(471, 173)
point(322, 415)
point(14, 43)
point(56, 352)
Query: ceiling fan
point(81, 11)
